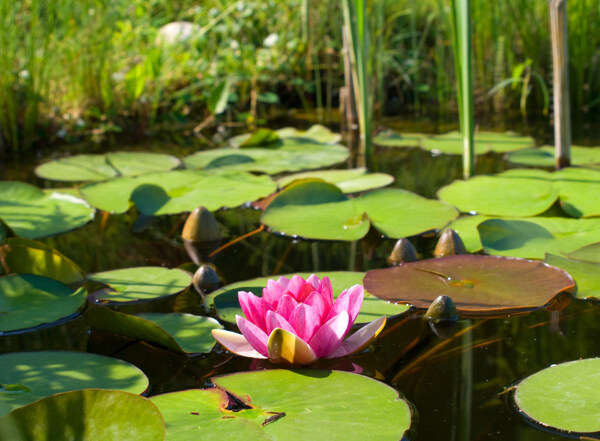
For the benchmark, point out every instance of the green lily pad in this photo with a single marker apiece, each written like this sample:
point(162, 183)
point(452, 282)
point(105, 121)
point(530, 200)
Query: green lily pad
point(466, 228)
point(318, 210)
point(33, 214)
point(89, 414)
point(479, 285)
point(533, 237)
point(261, 138)
point(28, 256)
point(287, 405)
point(563, 397)
point(141, 283)
point(177, 191)
point(292, 154)
point(28, 300)
point(501, 195)
point(107, 166)
point(349, 181)
point(177, 331)
point(390, 138)
point(544, 156)
point(579, 190)
point(585, 275)
point(317, 132)
point(225, 300)
point(588, 253)
point(46, 373)
point(452, 143)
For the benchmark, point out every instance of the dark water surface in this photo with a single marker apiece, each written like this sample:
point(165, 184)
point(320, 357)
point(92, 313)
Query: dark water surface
point(456, 385)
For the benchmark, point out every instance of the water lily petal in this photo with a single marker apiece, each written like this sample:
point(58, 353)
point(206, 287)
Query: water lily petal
point(295, 284)
point(254, 335)
point(304, 291)
point(360, 339)
point(253, 307)
point(272, 293)
point(326, 291)
point(305, 320)
point(235, 343)
point(350, 300)
point(285, 306)
point(283, 282)
point(314, 280)
point(274, 320)
point(285, 347)
point(329, 336)
point(319, 304)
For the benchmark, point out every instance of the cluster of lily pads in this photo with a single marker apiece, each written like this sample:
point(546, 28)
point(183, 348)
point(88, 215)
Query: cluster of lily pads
point(517, 214)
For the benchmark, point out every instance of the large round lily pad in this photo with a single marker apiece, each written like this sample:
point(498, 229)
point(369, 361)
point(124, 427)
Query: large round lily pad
point(291, 154)
point(316, 132)
point(31, 213)
point(478, 285)
point(586, 275)
point(349, 181)
point(141, 283)
point(177, 331)
point(29, 300)
point(579, 191)
point(177, 191)
point(452, 143)
point(501, 195)
point(90, 414)
point(466, 228)
point(28, 256)
point(544, 156)
point(225, 299)
point(318, 210)
point(390, 138)
point(563, 397)
point(588, 253)
point(107, 166)
point(532, 237)
point(44, 373)
point(287, 405)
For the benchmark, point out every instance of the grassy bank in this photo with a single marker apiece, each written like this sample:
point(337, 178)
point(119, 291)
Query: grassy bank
point(72, 69)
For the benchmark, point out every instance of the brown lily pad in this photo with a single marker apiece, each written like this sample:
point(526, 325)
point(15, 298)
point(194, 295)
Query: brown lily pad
point(480, 286)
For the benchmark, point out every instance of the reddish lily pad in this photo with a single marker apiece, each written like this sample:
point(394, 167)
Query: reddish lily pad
point(478, 285)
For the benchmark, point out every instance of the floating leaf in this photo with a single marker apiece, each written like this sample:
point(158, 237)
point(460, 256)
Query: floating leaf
point(584, 273)
point(588, 253)
point(261, 138)
point(28, 256)
point(452, 143)
point(287, 405)
point(349, 181)
point(563, 397)
point(46, 373)
point(501, 195)
point(532, 237)
point(390, 138)
point(177, 331)
point(316, 133)
point(478, 285)
point(101, 167)
point(466, 228)
point(292, 154)
point(28, 300)
point(318, 210)
point(177, 191)
point(544, 156)
point(579, 190)
point(225, 300)
point(217, 100)
point(89, 414)
point(141, 283)
point(33, 214)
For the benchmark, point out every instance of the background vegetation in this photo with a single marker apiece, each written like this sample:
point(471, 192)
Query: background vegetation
point(78, 68)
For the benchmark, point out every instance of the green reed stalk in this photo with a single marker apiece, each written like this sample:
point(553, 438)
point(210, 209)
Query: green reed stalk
point(461, 46)
point(355, 19)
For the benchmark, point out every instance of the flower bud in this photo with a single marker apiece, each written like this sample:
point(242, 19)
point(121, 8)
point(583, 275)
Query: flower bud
point(205, 279)
point(403, 252)
point(201, 235)
point(449, 244)
point(442, 309)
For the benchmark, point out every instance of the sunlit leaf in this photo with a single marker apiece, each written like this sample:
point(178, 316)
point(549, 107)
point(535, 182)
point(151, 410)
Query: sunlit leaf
point(478, 285)
point(317, 133)
point(544, 156)
point(390, 138)
point(452, 143)
point(585, 275)
point(349, 181)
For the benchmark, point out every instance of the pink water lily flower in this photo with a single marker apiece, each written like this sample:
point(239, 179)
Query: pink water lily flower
point(297, 321)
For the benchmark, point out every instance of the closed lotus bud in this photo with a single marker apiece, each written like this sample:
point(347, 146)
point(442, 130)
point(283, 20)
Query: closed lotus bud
point(442, 309)
point(205, 279)
point(201, 235)
point(449, 244)
point(403, 252)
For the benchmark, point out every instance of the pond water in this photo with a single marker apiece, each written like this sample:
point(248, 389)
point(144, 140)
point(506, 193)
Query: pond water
point(456, 384)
